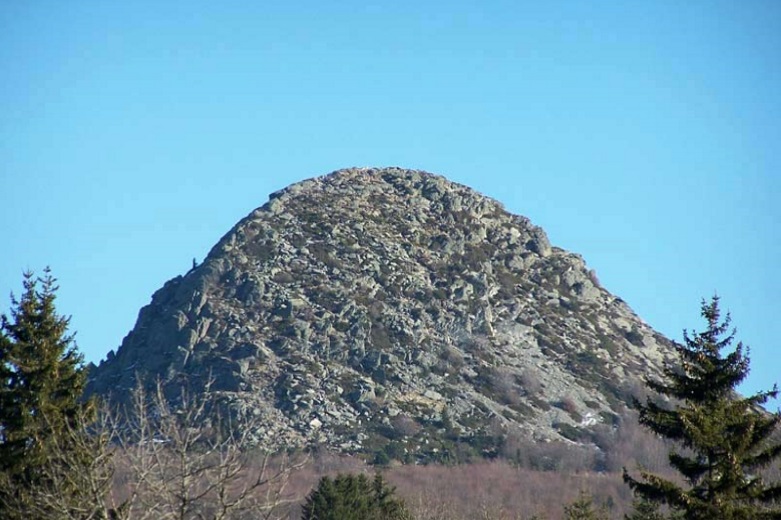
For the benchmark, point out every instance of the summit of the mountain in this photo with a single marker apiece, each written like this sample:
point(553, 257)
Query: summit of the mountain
point(391, 309)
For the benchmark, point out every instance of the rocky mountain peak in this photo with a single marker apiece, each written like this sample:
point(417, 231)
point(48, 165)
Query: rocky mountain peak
point(390, 309)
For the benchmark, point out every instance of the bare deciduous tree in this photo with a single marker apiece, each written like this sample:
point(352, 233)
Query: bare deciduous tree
point(190, 461)
point(161, 461)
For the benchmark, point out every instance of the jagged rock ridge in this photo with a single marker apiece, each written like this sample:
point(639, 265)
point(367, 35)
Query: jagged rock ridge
point(371, 305)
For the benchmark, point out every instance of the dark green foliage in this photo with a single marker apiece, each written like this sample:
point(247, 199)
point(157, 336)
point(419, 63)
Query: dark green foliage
point(726, 437)
point(381, 458)
point(643, 509)
point(41, 384)
point(583, 509)
point(353, 497)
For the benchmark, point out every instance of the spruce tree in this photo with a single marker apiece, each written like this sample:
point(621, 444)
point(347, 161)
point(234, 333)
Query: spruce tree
point(583, 508)
point(41, 383)
point(353, 497)
point(643, 509)
point(726, 437)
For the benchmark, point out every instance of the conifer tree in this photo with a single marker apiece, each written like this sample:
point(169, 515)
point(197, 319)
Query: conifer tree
point(353, 497)
point(41, 383)
point(582, 508)
point(726, 437)
point(643, 509)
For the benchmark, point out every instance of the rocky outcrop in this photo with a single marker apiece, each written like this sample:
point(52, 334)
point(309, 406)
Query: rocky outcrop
point(377, 306)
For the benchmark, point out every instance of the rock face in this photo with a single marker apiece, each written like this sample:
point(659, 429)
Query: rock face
point(371, 306)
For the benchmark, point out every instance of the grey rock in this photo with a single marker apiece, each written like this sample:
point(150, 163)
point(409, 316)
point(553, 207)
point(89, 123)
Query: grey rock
point(356, 299)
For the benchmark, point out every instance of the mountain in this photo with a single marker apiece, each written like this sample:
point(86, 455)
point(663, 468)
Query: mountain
point(391, 309)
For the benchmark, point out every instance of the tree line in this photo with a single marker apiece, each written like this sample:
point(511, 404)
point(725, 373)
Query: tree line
point(64, 456)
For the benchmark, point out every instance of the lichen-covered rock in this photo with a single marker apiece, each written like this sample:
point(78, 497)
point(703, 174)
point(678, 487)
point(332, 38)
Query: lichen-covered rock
point(354, 299)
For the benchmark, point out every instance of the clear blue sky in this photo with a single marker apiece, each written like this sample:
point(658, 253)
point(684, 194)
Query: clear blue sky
point(644, 135)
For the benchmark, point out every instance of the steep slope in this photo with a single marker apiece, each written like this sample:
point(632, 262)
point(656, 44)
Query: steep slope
point(371, 306)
